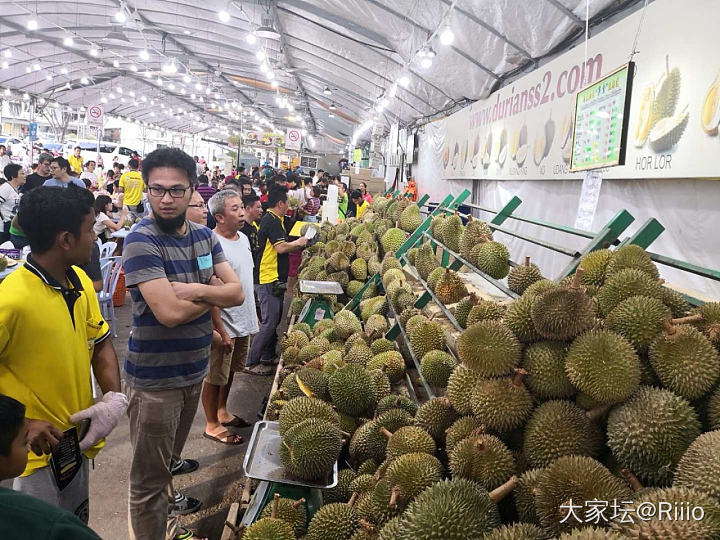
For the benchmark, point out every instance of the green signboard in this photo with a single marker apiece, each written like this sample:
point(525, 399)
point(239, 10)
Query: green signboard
point(601, 121)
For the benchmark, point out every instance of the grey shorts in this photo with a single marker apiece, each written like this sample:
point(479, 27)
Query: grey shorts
point(74, 498)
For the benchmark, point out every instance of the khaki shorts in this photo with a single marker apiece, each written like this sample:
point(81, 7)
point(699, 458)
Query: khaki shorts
point(221, 364)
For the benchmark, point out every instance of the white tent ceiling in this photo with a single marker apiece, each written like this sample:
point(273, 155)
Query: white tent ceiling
point(355, 48)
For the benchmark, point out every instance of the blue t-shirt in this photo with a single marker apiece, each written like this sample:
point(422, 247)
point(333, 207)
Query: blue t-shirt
point(159, 357)
point(52, 182)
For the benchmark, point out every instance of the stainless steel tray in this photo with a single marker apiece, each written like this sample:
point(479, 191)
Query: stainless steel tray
point(320, 287)
point(262, 459)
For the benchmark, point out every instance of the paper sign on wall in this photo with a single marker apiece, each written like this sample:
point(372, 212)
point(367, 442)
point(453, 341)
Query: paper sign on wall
point(293, 138)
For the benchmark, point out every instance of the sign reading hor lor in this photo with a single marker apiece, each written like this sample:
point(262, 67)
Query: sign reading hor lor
point(524, 130)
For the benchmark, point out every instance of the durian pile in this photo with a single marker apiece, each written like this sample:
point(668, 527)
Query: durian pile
point(601, 387)
point(351, 252)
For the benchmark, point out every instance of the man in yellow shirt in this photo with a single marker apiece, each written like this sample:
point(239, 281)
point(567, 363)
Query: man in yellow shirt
point(132, 187)
point(361, 205)
point(76, 161)
point(51, 334)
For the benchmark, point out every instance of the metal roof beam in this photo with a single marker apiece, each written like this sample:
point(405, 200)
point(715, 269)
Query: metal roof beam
point(489, 28)
point(409, 21)
point(567, 12)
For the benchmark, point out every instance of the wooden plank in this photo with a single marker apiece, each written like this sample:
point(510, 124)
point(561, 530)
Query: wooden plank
point(232, 515)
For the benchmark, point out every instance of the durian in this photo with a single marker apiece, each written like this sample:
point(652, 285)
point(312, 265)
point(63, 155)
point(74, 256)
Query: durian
point(564, 312)
point(450, 288)
point(638, 319)
point(650, 432)
point(491, 258)
point(436, 367)
point(484, 310)
point(409, 474)
point(522, 276)
point(699, 467)
point(685, 360)
point(407, 440)
point(489, 348)
point(426, 336)
point(336, 521)
point(451, 231)
point(559, 428)
point(516, 531)
point(631, 256)
point(604, 365)
point(301, 408)
point(435, 416)
point(475, 232)
point(503, 404)
point(310, 449)
point(482, 458)
point(624, 284)
point(544, 362)
point(352, 390)
point(425, 260)
point(459, 388)
point(461, 429)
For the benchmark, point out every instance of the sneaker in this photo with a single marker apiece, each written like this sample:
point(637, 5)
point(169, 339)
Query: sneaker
point(259, 369)
point(183, 466)
point(185, 505)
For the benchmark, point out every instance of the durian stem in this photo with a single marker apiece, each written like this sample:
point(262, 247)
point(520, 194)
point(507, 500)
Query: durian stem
point(276, 500)
point(668, 327)
point(689, 319)
point(446, 402)
point(597, 412)
point(385, 432)
point(632, 480)
point(499, 493)
point(527, 261)
point(298, 503)
point(353, 499)
point(365, 525)
point(479, 446)
point(237, 532)
point(394, 498)
point(517, 379)
point(576, 278)
point(346, 434)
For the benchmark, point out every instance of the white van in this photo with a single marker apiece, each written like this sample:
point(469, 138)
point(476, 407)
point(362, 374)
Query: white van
point(110, 152)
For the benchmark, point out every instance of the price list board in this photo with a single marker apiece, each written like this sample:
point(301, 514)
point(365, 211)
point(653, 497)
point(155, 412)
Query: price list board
point(601, 121)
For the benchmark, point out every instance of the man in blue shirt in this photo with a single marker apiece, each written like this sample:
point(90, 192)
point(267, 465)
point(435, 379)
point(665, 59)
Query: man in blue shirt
point(59, 168)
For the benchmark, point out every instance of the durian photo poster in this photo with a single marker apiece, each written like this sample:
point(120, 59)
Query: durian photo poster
point(525, 129)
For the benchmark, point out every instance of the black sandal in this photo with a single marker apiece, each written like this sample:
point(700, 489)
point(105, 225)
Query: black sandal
point(184, 466)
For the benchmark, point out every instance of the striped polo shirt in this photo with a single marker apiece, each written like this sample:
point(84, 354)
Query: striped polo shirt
point(158, 357)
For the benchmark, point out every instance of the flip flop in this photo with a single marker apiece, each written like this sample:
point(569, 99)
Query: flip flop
point(237, 422)
point(225, 435)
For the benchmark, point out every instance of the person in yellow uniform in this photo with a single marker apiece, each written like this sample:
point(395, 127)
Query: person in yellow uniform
point(361, 205)
point(76, 161)
point(51, 334)
point(132, 187)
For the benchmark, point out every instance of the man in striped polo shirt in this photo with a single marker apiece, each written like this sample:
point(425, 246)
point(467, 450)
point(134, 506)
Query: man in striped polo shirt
point(177, 271)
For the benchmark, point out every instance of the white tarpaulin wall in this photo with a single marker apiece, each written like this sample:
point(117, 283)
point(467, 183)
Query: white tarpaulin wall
point(687, 209)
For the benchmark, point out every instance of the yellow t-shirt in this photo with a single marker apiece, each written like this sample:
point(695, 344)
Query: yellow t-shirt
point(361, 209)
point(45, 354)
point(76, 163)
point(132, 183)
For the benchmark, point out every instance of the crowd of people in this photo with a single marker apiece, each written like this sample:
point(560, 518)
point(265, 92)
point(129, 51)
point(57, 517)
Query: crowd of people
point(207, 262)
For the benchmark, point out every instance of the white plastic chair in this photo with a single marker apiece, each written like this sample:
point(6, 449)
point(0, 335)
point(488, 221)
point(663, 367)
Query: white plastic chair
point(107, 249)
point(110, 268)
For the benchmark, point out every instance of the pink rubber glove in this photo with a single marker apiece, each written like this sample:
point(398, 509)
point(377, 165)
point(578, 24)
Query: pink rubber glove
point(103, 416)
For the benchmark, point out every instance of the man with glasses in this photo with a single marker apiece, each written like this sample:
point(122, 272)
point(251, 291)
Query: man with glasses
point(176, 271)
point(59, 169)
point(41, 174)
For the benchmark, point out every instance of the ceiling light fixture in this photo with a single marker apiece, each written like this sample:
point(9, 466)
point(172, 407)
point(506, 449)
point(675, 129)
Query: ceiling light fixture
point(327, 91)
point(267, 30)
point(7, 53)
point(274, 83)
point(331, 115)
point(447, 36)
point(68, 42)
point(36, 67)
point(5, 64)
point(169, 67)
point(425, 63)
point(120, 16)
point(251, 38)
point(144, 54)
point(133, 67)
point(186, 78)
point(393, 90)
point(224, 16)
point(94, 52)
point(84, 80)
point(32, 24)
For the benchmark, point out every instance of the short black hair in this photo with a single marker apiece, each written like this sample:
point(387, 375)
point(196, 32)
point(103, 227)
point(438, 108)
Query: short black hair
point(11, 171)
point(133, 163)
point(12, 419)
point(277, 194)
point(47, 211)
point(203, 179)
point(250, 200)
point(312, 173)
point(356, 194)
point(89, 162)
point(62, 162)
point(77, 148)
point(307, 181)
point(320, 171)
point(316, 191)
point(170, 157)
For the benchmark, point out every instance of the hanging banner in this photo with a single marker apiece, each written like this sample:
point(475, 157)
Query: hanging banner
point(266, 138)
point(293, 137)
point(524, 130)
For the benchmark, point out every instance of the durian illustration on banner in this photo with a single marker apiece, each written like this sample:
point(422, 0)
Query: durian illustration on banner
point(525, 129)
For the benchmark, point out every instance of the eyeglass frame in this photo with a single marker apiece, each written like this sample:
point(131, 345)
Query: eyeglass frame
point(168, 190)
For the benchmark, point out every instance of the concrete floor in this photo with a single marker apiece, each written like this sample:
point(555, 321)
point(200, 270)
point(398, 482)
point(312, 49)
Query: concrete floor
point(219, 481)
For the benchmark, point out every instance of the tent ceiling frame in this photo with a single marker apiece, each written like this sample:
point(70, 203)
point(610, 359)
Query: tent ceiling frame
point(567, 12)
